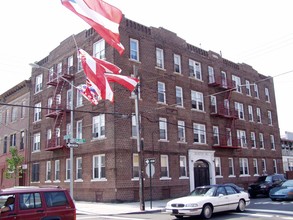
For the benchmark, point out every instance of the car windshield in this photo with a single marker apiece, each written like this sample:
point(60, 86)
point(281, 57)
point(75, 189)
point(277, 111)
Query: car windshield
point(206, 191)
point(288, 183)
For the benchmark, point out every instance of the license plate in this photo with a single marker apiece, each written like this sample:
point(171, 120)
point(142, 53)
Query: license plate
point(175, 211)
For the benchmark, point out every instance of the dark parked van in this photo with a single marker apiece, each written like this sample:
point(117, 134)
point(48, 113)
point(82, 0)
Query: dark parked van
point(37, 203)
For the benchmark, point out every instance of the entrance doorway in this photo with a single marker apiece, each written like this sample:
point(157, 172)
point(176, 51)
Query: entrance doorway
point(201, 173)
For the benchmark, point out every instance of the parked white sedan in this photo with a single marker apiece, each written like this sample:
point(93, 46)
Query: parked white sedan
point(206, 200)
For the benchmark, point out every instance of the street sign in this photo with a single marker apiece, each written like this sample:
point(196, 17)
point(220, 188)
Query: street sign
point(150, 170)
point(80, 141)
point(150, 160)
point(66, 137)
point(72, 145)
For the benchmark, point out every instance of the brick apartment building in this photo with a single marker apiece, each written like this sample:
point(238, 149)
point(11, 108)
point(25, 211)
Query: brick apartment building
point(204, 119)
point(287, 152)
point(14, 128)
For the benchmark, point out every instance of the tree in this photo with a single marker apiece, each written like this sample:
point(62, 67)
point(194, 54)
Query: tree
point(14, 166)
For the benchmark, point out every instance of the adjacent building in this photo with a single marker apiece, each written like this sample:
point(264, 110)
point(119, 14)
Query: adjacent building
point(287, 151)
point(14, 120)
point(204, 119)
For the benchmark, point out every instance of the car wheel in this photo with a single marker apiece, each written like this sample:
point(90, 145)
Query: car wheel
point(179, 216)
point(207, 211)
point(241, 205)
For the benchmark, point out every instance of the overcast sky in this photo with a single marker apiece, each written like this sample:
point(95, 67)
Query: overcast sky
point(256, 32)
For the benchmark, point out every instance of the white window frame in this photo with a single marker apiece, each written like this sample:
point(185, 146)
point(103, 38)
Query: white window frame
point(197, 101)
point(243, 167)
point(224, 82)
point(134, 49)
point(218, 168)
point(264, 166)
point(199, 130)
point(49, 137)
point(255, 167)
point(258, 115)
point(68, 98)
point(164, 161)
point(67, 170)
point(99, 127)
point(70, 65)
point(195, 70)
point(99, 49)
point(183, 167)
point(181, 131)
point(239, 108)
point(59, 69)
point(160, 58)
point(163, 128)
point(177, 63)
point(48, 171)
point(237, 83)
point(57, 171)
point(79, 98)
point(241, 137)
point(78, 171)
point(256, 92)
point(99, 164)
point(179, 96)
point(261, 141)
point(38, 112)
point(275, 167)
point(231, 167)
point(267, 94)
point(39, 83)
point(135, 166)
point(270, 119)
point(216, 136)
point(211, 74)
point(79, 129)
point(250, 113)
point(247, 87)
point(37, 142)
point(161, 92)
point(273, 145)
point(252, 139)
point(229, 137)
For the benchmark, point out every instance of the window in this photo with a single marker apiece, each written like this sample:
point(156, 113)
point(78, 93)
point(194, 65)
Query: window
point(164, 166)
point(240, 110)
point(99, 170)
point(211, 74)
point(134, 50)
point(30, 201)
point(247, 87)
point(237, 83)
point(57, 170)
point(35, 172)
point(231, 167)
point(79, 129)
point(48, 171)
point(37, 112)
point(135, 166)
point(39, 83)
point(163, 128)
point(199, 131)
point(58, 138)
point(68, 168)
point(241, 137)
point(5, 143)
point(161, 92)
point(37, 142)
point(267, 95)
point(243, 164)
point(133, 126)
point(78, 168)
point(79, 65)
point(275, 166)
point(59, 69)
point(177, 63)
point(255, 166)
point(99, 126)
point(70, 68)
point(56, 199)
point(258, 115)
point(214, 108)
point(181, 131)
point(7, 116)
point(183, 167)
point(160, 58)
point(224, 79)
point(179, 96)
point(218, 170)
point(197, 100)
point(250, 113)
point(256, 91)
point(99, 49)
point(21, 144)
point(50, 103)
point(264, 166)
point(273, 146)
point(270, 119)
point(22, 109)
point(13, 140)
point(229, 136)
point(252, 139)
point(51, 74)
point(14, 114)
point(261, 141)
point(216, 135)
point(195, 69)
point(68, 99)
point(49, 137)
point(79, 99)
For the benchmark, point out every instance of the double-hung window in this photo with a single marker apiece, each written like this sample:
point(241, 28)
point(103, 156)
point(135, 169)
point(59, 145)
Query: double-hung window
point(267, 95)
point(211, 74)
point(181, 131)
point(39, 83)
point(161, 92)
point(70, 65)
point(231, 167)
point(272, 139)
point(99, 49)
point(256, 93)
point(57, 170)
point(218, 170)
point(99, 126)
point(243, 164)
point(163, 128)
point(177, 63)
point(252, 139)
point(183, 166)
point(99, 167)
point(241, 137)
point(197, 101)
point(179, 96)
point(258, 115)
point(195, 69)
point(247, 86)
point(134, 49)
point(216, 135)
point(78, 168)
point(199, 132)
point(237, 83)
point(37, 142)
point(270, 119)
point(48, 171)
point(160, 58)
point(79, 129)
point(250, 113)
point(164, 166)
point(255, 166)
point(240, 110)
point(68, 168)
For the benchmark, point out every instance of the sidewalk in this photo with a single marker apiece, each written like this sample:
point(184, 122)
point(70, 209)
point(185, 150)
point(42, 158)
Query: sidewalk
point(99, 208)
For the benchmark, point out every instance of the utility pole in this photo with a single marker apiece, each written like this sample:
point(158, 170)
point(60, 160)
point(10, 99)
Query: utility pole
point(139, 147)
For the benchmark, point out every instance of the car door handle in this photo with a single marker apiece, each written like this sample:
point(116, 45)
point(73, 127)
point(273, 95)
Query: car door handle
point(41, 210)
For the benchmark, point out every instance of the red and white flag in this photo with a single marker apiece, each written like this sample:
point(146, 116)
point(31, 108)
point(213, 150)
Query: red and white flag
point(126, 81)
point(89, 93)
point(107, 66)
point(96, 75)
point(103, 17)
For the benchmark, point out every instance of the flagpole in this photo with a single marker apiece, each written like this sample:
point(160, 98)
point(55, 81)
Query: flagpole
point(139, 147)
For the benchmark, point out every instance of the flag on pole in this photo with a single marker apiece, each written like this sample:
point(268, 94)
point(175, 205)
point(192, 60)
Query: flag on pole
point(126, 81)
point(89, 93)
point(95, 75)
point(103, 17)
